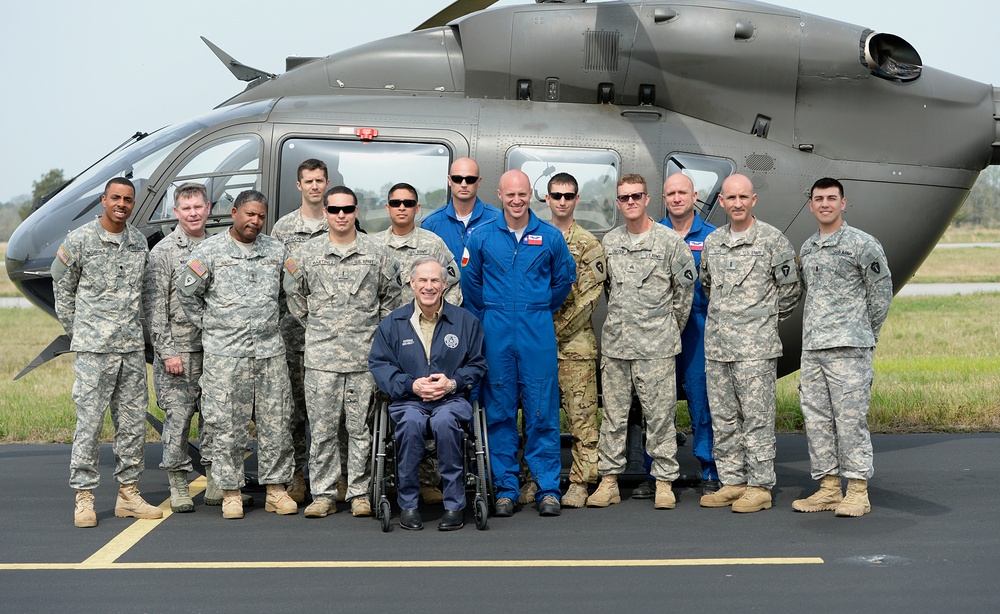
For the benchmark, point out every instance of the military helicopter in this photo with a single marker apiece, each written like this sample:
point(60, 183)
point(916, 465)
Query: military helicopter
point(710, 87)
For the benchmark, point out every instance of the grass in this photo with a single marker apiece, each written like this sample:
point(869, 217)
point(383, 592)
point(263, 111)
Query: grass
point(960, 265)
point(7, 287)
point(971, 234)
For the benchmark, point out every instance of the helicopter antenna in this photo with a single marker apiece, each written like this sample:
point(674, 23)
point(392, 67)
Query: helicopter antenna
point(241, 71)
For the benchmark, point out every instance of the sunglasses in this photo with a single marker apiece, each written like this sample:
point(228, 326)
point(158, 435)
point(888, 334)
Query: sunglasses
point(334, 210)
point(624, 198)
point(409, 203)
point(468, 179)
point(562, 195)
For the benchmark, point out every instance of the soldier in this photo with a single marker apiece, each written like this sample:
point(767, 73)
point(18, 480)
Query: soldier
point(230, 290)
point(848, 289)
point(464, 212)
point(650, 285)
point(349, 282)
point(517, 272)
point(577, 345)
point(294, 229)
point(97, 280)
point(750, 275)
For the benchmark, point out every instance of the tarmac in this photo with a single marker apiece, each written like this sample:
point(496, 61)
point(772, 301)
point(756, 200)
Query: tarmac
point(930, 544)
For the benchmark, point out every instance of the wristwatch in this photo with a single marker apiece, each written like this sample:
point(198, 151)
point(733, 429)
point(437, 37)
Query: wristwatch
point(454, 386)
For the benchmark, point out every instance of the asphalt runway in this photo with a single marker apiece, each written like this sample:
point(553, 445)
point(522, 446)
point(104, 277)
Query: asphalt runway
point(930, 544)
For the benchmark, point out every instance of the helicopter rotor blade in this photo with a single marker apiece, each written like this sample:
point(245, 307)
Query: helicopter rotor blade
point(458, 8)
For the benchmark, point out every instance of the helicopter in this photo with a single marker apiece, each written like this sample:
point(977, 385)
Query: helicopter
point(709, 87)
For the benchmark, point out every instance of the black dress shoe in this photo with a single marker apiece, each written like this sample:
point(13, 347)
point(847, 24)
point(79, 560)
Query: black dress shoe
point(452, 520)
point(710, 486)
point(504, 507)
point(549, 506)
point(644, 490)
point(410, 520)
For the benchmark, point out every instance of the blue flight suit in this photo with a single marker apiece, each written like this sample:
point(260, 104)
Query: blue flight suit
point(514, 288)
point(455, 234)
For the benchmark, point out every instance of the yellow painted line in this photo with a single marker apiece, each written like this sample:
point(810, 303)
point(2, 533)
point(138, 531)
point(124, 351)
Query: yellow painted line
point(525, 563)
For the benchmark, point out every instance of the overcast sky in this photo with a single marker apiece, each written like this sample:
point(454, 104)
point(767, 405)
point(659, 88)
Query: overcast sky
point(81, 77)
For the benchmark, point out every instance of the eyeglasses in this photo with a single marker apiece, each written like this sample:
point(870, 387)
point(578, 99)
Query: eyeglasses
point(468, 179)
point(562, 195)
point(409, 203)
point(624, 198)
point(334, 210)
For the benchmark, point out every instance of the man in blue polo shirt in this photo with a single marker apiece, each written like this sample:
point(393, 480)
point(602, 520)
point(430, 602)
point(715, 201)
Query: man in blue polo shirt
point(464, 212)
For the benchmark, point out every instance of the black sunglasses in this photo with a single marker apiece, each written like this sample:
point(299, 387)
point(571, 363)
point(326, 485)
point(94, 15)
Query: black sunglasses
point(409, 203)
point(468, 179)
point(624, 198)
point(562, 195)
point(334, 210)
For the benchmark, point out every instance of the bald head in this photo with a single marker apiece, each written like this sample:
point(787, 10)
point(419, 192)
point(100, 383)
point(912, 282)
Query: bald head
point(515, 195)
point(679, 197)
point(464, 180)
point(738, 200)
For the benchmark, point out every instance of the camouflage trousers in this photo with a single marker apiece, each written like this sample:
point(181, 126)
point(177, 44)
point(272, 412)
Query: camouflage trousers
point(179, 397)
point(332, 398)
point(297, 424)
point(234, 389)
point(741, 397)
point(578, 393)
point(108, 380)
point(655, 383)
point(835, 392)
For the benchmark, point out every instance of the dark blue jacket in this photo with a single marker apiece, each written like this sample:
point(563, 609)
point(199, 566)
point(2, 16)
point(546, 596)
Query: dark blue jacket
point(397, 356)
point(695, 239)
point(455, 234)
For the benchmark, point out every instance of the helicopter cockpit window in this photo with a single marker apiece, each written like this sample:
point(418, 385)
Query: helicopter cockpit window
point(595, 170)
point(225, 168)
point(706, 172)
point(369, 169)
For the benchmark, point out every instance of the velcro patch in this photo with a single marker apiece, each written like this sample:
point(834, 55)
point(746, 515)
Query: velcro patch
point(63, 255)
point(291, 267)
point(198, 268)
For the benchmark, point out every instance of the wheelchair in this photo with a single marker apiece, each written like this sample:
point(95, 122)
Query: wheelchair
point(476, 464)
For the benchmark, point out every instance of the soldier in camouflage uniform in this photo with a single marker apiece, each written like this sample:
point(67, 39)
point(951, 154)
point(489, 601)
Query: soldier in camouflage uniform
point(97, 280)
point(349, 282)
point(577, 344)
point(294, 229)
point(848, 289)
point(750, 275)
point(650, 288)
point(230, 290)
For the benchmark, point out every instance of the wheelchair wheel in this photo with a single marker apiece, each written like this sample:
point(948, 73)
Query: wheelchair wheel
point(484, 468)
point(482, 514)
point(378, 459)
point(385, 515)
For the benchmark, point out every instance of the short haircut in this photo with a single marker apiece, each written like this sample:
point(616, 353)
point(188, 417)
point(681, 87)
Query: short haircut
point(564, 178)
point(118, 181)
point(312, 164)
point(340, 189)
point(187, 190)
point(403, 186)
point(826, 182)
point(633, 178)
point(424, 260)
point(249, 196)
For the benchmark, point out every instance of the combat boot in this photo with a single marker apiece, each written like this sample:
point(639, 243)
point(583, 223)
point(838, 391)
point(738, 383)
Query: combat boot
point(727, 495)
point(342, 489)
point(83, 515)
point(297, 488)
point(755, 499)
point(825, 499)
point(665, 499)
point(180, 494)
point(606, 493)
point(321, 507)
point(232, 505)
point(576, 496)
point(527, 493)
point(213, 494)
point(855, 503)
point(431, 494)
point(130, 504)
point(278, 501)
point(360, 507)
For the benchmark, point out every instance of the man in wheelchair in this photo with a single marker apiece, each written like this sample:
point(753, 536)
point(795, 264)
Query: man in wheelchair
point(426, 356)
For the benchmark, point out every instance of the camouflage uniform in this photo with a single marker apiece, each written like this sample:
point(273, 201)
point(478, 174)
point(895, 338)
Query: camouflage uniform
point(233, 297)
point(293, 231)
point(97, 281)
point(848, 291)
point(751, 283)
point(343, 294)
point(578, 351)
point(173, 335)
point(420, 244)
point(650, 289)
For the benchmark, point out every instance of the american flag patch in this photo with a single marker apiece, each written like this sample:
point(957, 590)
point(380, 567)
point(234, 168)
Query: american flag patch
point(534, 240)
point(62, 255)
point(198, 268)
point(291, 266)
point(696, 246)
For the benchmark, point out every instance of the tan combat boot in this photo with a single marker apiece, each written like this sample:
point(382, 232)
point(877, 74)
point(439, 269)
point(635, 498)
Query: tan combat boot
point(130, 504)
point(321, 507)
point(83, 515)
point(297, 488)
point(527, 493)
point(342, 489)
point(360, 507)
point(278, 501)
point(755, 499)
point(855, 503)
point(727, 495)
point(606, 493)
point(232, 505)
point(665, 499)
point(431, 494)
point(576, 496)
point(825, 499)
point(180, 494)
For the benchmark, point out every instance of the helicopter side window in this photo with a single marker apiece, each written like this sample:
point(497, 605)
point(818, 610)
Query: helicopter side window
point(595, 170)
point(706, 172)
point(369, 169)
